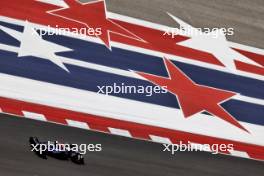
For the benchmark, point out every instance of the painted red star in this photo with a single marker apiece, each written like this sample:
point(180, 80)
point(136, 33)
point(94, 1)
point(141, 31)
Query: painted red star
point(194, 98)
point(93, 15)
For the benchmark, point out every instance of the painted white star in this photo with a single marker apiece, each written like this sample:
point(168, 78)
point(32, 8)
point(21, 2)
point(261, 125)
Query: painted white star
point(31, 44)
point(213, 42)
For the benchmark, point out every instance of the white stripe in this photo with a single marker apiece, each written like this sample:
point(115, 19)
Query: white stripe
point(60, 3)
point(9, 48)
point(125, 73)
point(247, 48)
point(77, 124)
point(35, 116)
point(160, 139)
point(249, 99)
point(120, 132)
point(100, 67)
point(125, 109)
point(145, 51)
point(239, 153)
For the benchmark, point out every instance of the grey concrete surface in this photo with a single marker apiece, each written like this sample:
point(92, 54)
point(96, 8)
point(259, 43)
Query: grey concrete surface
point(120, 156)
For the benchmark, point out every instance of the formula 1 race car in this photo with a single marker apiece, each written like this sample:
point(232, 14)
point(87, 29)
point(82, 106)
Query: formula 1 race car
point(55, 150)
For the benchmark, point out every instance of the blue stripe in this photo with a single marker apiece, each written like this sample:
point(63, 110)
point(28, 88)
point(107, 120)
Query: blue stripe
point(87, 79)
point(12, 26)
point(7, 39)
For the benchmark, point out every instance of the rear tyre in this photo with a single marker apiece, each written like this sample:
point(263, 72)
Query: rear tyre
point(77, 158)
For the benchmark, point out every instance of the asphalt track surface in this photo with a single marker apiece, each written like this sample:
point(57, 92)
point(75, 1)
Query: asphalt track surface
point(123, 156)
point(245, 16)
point(120, 156)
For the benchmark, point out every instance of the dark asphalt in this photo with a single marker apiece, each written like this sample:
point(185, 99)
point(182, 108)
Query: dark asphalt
point(120, 156)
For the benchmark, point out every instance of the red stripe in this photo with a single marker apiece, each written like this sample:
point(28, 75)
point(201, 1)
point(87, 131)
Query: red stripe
point(137, 130)
point(254, 56)
point(249, 68)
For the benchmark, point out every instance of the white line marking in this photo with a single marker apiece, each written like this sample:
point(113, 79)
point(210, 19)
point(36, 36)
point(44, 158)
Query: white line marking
point(59, 3)
point(35, 116)
point(239, 153)
point(160, 139)
point(120, 132)
point(77, 124)
point(9, 48)
point(247, 48)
